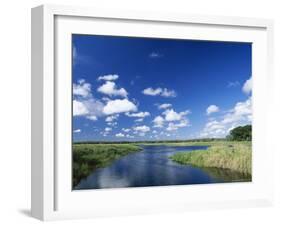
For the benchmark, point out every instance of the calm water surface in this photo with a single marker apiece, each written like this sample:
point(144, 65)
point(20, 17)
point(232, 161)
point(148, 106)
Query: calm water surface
point(152, 167)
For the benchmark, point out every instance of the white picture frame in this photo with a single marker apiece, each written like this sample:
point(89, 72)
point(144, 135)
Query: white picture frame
point(52, 197)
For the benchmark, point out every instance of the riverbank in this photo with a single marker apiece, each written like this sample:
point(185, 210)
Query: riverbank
point(236, 156)
point(88, 157)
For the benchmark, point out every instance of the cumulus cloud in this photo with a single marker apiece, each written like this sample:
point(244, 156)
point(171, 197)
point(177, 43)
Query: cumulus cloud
point(158, 121)
point(164, 106)
point(113, 124)
point(168, 93)
point(92, 117)
point(159, 92)
point(171, 115)
point(108, 77)
point(152, 92)
point(109, 88)
point(77, 131)
point(138, 114)
point(214, 128)
point(247, 87)
point(119, 106)
point(142, 128)
point(119, 135)
point(84, 104)
point(240, 114)
point(90, 108)
point(172, 119)
point(79, 108)
point(242, 111)
point(107, 129)
point(126, 130)
point(82, 88)
point(175, 126)
point(212, 109)
point(111, 118)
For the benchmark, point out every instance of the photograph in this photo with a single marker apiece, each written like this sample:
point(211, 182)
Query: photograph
point(149, 111)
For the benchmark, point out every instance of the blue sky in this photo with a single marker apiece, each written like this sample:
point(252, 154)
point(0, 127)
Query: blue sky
point(154, 89)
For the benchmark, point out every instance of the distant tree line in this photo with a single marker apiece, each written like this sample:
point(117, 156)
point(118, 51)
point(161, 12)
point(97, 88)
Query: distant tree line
point(240, 133)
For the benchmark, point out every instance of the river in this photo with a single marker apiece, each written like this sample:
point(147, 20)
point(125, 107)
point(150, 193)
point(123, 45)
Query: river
point(153, 167)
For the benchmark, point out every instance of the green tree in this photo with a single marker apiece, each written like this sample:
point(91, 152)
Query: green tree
point(241, 133)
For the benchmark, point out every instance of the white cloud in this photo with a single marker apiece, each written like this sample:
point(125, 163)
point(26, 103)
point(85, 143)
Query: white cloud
point(158, 121)
point(213, 129)
point(247, 87)
point(119, 135)
point(139, 120)
point(142, 129)
point(138, 114)
point(79, 108)
point(242, 111)
point(109, 88)
point(174, 119)
point(240, 114)
point(119, 106)
point(107, 129)
point(159, 91)
point(84, 103)
point(171, 127)
point(175, 126)
point(126, 130)
point(171, 115)
point(112, 124)
point(212, 109)
point(168, 93)
point(111, 118)
point(108, 77)
point(92, 117)
point(152, 92)
point(82, 88)
point(90, 108)
point(77, 131)
point(164, 106)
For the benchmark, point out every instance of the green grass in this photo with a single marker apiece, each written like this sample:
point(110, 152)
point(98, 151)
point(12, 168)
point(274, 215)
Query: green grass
point(235, 156)
point(88, 157)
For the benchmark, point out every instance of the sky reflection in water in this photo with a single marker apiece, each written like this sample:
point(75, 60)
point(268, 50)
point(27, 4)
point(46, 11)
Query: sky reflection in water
point(152, 167)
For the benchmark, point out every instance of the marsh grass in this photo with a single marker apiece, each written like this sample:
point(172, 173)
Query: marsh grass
point(88, 157)
point(236, 156)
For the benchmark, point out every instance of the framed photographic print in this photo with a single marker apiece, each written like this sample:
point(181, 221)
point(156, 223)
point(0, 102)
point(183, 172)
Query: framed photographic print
point(138, 112)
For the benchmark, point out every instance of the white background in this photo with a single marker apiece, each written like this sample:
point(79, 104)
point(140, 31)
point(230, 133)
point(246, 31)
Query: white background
point(15, 112)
